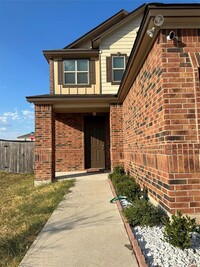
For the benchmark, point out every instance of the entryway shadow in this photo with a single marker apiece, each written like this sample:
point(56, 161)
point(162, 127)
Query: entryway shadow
point(78, 174)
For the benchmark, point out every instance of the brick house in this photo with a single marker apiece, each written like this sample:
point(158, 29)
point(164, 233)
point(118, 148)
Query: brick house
point(128, 93)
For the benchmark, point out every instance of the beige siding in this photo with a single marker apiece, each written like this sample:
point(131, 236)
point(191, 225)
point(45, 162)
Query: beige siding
point(60, 89)
point(121, 40)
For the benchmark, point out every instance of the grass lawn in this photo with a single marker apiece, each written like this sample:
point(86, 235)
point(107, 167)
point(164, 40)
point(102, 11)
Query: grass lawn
point(24, 209)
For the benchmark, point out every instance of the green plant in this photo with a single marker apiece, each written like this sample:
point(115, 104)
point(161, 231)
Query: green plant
point(124, 184)
point(143, 213)
point(118, 178)
point(118, 170)
point(129, 188)
point(178, 230)
point(144, 194)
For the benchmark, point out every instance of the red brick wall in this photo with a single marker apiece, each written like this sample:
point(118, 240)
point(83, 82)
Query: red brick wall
point(116, 135)
point(44, 144)
point(161, 123)
point(69, 141)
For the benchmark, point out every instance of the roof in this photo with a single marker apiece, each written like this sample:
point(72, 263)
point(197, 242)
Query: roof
point(175, 16)
point(80, 53)
point(99, 29)
point(73, 50)
point(26, 135)
point(65, 97)
point(134, 13)
point(75, 103)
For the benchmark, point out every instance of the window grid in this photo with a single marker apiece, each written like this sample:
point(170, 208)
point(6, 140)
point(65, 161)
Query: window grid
point(76, 72)
point(117, 68)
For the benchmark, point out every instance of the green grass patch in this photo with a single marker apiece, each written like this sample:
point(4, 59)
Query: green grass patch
point(24, 210)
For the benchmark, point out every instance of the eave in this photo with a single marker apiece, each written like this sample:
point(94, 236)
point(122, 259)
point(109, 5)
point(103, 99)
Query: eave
point(75, 103)
point(70, 53)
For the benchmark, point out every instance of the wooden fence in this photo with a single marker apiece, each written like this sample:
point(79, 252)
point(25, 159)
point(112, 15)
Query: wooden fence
point(17, 156)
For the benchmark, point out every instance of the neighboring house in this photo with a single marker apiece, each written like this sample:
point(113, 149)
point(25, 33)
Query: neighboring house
point(128, 93)
point(27, 137)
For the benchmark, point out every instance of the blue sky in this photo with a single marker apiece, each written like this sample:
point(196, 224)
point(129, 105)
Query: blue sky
point(28, 27)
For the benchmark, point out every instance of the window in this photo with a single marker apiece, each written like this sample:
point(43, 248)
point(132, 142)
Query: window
point(115, 65)
point(118, 67)
point(76, 71)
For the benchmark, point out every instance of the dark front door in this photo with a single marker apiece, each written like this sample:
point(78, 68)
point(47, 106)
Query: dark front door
point(95, 142)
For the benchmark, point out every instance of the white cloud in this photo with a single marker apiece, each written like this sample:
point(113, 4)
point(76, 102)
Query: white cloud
point(6, 116)
point(12, 115)
point(3, 120)
point(15, 123)
point(3, 129)
point(28, 114)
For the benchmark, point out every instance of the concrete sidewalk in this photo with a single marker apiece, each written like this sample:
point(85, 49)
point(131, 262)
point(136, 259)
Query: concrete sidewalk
point(84, 231)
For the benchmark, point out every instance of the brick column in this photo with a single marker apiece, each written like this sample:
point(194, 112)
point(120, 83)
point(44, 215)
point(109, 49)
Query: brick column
point(44, 144)
point(116, 135)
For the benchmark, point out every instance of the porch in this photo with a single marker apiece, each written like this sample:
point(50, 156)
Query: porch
point(71, 134)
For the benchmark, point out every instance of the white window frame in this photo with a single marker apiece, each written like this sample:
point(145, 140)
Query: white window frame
point(113, 69)
point(76, 72)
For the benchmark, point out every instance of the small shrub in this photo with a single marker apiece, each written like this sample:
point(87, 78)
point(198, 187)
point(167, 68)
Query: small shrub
point(143, 213)
point(118, 178)
point(129, 188)
point(119, 170)
point(124, 184)
point(144, 194)
point(178, 231)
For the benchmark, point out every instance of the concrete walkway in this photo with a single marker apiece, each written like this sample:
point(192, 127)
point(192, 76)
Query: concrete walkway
point(84, 231)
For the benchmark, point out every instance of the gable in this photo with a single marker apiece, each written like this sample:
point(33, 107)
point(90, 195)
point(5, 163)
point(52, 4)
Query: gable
point(122, 37)
point(86, 39)
point(91, 39)
point(120, 42)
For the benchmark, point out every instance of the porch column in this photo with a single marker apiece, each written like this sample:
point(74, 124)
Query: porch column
point(116, 135)
point(44, 144)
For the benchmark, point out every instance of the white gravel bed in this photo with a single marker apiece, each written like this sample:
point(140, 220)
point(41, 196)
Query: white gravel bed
point(159, 253)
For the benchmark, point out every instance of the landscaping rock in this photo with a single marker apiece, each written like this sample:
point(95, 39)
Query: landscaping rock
point(159, 253)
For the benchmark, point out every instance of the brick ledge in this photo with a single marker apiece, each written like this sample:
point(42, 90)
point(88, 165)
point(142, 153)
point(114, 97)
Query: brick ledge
point(136, 248)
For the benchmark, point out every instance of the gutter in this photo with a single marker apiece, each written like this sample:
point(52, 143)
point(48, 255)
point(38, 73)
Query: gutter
point(70, 53)
point(144, 43)
point(51, 99)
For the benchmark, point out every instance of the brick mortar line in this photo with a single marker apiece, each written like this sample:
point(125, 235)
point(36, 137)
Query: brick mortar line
point(137, 250)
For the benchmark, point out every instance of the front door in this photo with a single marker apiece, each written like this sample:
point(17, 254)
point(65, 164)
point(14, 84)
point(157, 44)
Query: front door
point(95, 142)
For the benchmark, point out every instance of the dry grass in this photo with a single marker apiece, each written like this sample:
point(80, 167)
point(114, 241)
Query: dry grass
point(24, 209)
